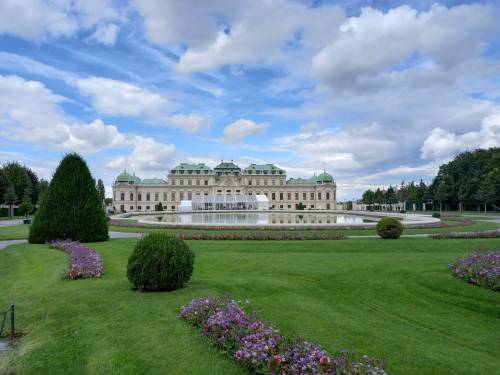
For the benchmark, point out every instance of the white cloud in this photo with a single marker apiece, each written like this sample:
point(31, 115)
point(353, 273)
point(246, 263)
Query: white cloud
point(147, 155)
point(239, 129)
point(36, 19)
point(30, 112)
point(106, 34)
point(114, 97)
point(189, 122)
point(373, 43)
point(233, 32)
point(444, 144)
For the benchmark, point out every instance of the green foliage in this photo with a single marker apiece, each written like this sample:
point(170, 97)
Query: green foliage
point(70, 208)
point(25, 208)
point(158, 207)
point(389, 228)
point(469, 178)
point(437, 215)
point(301, 206)
point(160, 262)
point(10, 198)
point(101, 190)
point(368, 197)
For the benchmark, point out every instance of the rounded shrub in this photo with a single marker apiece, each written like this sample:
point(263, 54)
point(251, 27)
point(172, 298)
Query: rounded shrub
point(70, 207)
point(437, 215)
point(389, 228)
point(160, 262)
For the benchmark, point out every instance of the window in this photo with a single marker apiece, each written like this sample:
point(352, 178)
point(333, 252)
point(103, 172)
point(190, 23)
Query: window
point(273, 196)
point(139, 197)
point(327, 195)
point(147, 208)
point(258, 182)
point(312, 195)
point(173, 182)
point(328, 206)
point(148, 197)
point(181, 195)
point(281, 206)
point(157, 197)
point(122, 196)
point(249, 182)
point(273, 182)
point(265, 182)
point(281, 198)
point(281, 182)
point(197, 182)
point(206, 182)
point(182, 182)
point(319, 195)
point(131, 196)
point(289, 196)
point(139, 208)
point(189, 182)
point(173, 208)
point(131, 208)
point(165, 196)
point(296, 196)
point(190, 195)
point(304, 195)
point(173, 196)
point(312, 205)
point(289, 206)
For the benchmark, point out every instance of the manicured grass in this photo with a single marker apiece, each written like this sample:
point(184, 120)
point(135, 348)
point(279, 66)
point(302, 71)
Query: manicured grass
point(390, 299)
point(14, 232)
point(478, 225)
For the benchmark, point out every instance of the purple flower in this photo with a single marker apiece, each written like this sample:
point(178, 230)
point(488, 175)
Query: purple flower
point(479, 268)
point(84, 262)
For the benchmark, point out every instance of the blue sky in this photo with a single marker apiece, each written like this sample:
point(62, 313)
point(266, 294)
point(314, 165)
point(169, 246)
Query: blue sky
point(375, 92)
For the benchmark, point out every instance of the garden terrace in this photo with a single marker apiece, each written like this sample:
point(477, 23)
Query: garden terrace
point(394, 300)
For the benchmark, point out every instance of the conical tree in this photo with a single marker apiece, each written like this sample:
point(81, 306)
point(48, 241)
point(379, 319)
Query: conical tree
point(70, 208)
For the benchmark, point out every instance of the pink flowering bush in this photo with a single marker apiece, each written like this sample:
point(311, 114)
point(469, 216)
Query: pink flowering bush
point(482, 269)
point(84, 262)
point(261, 349)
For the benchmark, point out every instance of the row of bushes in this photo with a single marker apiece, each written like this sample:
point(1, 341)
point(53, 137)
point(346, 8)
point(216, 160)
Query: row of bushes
point(261, 235)
point(260, 348)
point(479, 268)
point(84, 262)
point(494, 233)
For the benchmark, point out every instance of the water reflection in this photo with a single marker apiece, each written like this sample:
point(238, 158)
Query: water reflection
point(257, 218)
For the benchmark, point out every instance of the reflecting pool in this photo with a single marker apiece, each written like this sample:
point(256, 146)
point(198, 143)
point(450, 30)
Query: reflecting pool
point(255, 218)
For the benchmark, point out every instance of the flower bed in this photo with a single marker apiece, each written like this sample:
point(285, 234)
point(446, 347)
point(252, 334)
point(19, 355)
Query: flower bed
point(84, 262)
point(260, 348)
point(263, 235)
point(495, 233)
point(482, 269)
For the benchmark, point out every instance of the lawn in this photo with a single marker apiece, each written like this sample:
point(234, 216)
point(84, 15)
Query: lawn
point(457, 227)
point(14, 232)
point(390, 299)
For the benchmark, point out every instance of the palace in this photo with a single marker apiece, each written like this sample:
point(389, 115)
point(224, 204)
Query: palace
point(130, 193)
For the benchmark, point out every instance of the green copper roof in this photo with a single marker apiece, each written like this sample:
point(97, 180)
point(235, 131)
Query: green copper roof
point(150, 181)
point(263, 169)
point(191, 167)
point(298, 181)
point(227, 166)
point(128, 178)
point(325, 177)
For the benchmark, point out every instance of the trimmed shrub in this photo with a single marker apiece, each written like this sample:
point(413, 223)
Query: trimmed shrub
point(160, 262)
point(389, 228)
point(437, 215)
point(70, 208)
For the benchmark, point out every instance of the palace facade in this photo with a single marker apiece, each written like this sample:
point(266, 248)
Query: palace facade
point(130, 193)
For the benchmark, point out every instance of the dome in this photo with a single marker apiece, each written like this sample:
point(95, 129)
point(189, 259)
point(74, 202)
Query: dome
point(324, 178)
point(127, 178)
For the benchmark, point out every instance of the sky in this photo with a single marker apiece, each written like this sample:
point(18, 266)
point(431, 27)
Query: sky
point(374, 92)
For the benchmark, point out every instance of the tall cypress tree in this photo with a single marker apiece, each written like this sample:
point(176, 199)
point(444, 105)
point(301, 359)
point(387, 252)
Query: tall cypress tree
point(70, 207)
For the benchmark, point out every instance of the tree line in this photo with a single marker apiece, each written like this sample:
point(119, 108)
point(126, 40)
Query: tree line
point(470, 180)
point(20, 186)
